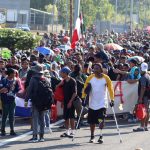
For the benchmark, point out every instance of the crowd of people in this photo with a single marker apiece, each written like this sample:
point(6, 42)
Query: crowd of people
point(83, 72)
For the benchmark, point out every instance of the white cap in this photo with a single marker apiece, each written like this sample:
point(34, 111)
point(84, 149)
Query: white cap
point(144, 67)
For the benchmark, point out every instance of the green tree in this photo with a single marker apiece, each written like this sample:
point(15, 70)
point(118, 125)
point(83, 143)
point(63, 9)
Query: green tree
point(17, 39)
point(63, 12)
point(100, 9)
point(40, 4)
point(97, 9)
point(50, 8)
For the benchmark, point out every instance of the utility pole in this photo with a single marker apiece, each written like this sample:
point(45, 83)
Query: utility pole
point(71, 19)
point(116, 9)
point(77, 10)
point(138, 12)
point(66, 14)
point(144, 13)
point(54, 3)
point(126, 14)
point(53, 17)
point(131, 16)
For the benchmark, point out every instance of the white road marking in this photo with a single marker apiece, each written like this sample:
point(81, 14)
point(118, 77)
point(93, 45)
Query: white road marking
point(26, 134)
point(125, 125)
point(52, 125)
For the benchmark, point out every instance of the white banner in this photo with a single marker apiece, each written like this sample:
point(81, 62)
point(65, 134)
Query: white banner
point(126, 94)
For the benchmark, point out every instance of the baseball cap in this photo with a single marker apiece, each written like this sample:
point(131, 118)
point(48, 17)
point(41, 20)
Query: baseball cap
point(65, 70)
point(102, 55)
point(144, 67)
point(37, 69)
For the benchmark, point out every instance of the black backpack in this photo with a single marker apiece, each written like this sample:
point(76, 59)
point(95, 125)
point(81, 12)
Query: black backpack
point(43, 98)
point(147, 92)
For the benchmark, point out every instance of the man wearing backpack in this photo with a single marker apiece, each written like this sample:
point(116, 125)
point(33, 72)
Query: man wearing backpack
point(144, 96)
point(39, 91)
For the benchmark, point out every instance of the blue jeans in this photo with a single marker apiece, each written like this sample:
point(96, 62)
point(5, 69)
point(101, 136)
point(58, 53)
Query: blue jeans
point(8, 109)
point(37, 119)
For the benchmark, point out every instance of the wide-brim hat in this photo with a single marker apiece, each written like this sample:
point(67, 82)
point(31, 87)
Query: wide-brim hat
point(37, 69)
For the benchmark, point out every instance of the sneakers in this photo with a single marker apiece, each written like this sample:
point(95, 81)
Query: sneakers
point(64, 135)
point(146, 129)
point(34, 140)
point(139, 129)
point(41, 140)
point(13, 133)
point(92, 140)
point(3, 133)
point(100, 140)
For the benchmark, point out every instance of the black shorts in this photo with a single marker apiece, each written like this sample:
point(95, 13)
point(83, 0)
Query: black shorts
point(96, 116)
point(69, 113)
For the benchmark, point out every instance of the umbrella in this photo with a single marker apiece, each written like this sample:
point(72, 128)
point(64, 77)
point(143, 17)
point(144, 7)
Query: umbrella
point(45, 50)
point(112, 46)
point(64, 47)
point(6, 53)
point(138, 59)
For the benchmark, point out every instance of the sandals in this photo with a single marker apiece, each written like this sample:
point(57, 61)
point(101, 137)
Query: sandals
point(138, 130)
point(64, 135)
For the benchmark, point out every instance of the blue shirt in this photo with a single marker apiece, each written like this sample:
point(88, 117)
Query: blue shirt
point(13, 88)
point(134, 73)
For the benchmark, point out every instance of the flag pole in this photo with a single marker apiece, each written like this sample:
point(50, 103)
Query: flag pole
point(71, 20)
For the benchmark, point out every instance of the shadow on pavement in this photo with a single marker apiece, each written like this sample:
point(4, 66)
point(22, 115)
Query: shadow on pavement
point(61, 146)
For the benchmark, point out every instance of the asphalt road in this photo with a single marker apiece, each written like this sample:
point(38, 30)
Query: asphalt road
point(131, 140)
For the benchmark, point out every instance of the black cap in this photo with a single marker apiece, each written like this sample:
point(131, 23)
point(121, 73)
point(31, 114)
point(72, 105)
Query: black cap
point(102, 55)
point(133, 61)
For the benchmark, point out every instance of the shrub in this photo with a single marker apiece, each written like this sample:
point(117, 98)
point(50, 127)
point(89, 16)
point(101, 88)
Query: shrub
point(15, 39)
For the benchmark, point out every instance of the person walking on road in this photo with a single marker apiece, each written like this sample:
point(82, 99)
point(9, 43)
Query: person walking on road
point(98, 84)
point(70, 93)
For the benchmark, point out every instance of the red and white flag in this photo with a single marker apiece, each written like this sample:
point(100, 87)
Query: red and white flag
point(76, 34)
